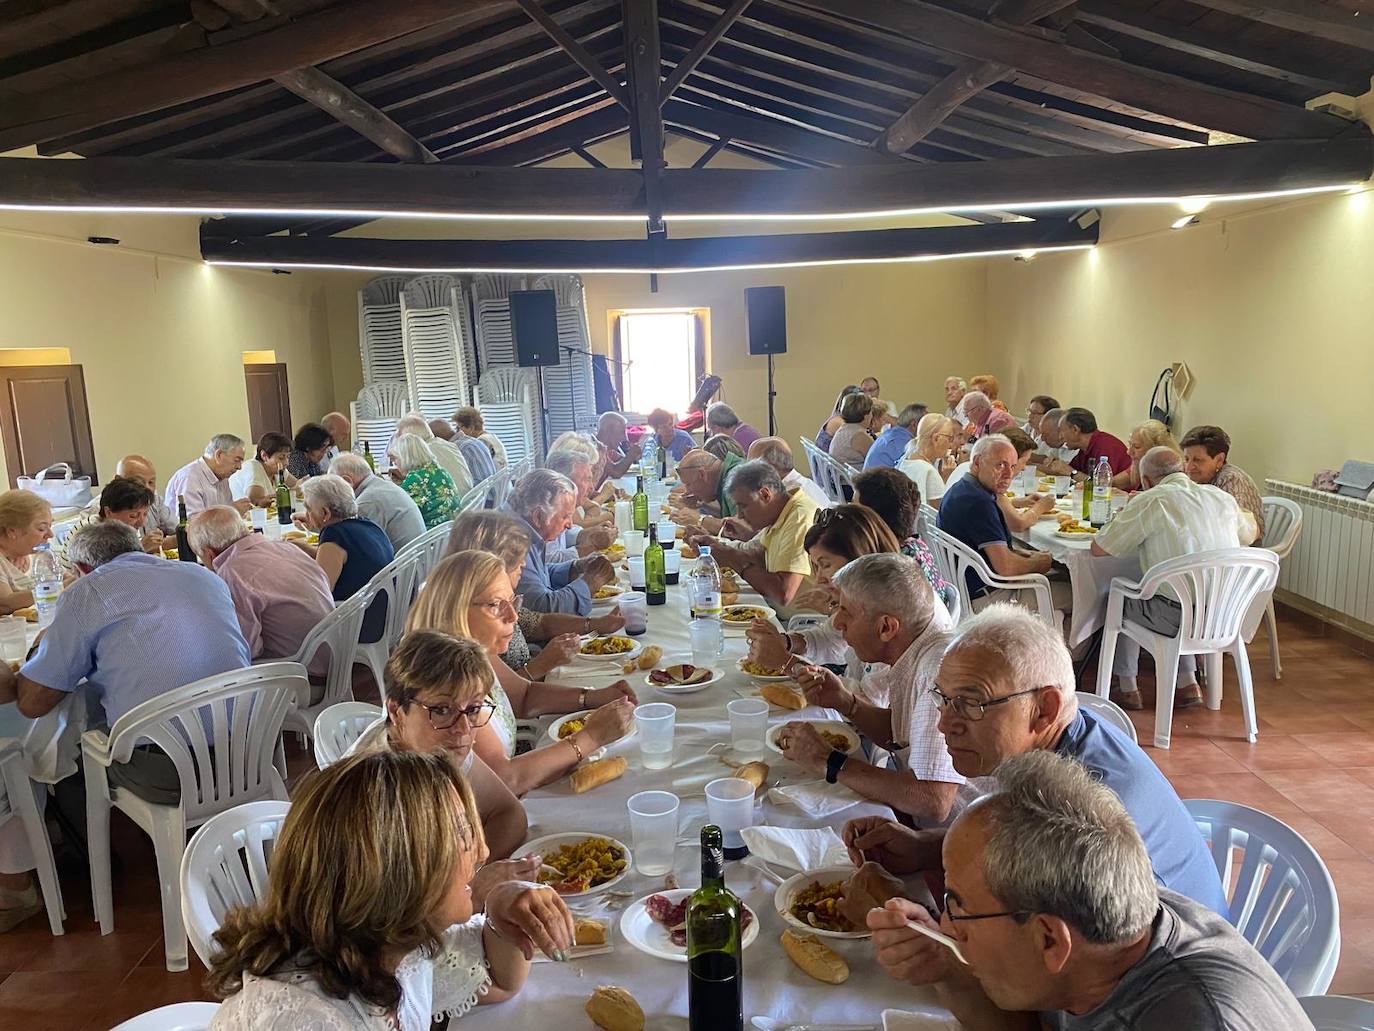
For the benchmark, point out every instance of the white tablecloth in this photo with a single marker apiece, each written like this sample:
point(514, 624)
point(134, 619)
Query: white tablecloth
point(553, 998)
point(1090, 575)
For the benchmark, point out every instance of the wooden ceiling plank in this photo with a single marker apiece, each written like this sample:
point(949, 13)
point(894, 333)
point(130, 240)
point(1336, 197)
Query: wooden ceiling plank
point(54, 24)
point(149, 46)
point(702, 47)
point(772, 133)
point(345, 106)
point(1311, 19)
point(576, 51)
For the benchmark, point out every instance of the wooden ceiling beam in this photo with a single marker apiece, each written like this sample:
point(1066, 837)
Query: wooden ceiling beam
point(576, 51)
point(313, 38)
point(589, 125)
point(54, 23)
point(343, 105)
point(701, 48)
point(644, 60)
point(772, 133)
point(1325, 21)
point(968, 79)
point(1170, 95)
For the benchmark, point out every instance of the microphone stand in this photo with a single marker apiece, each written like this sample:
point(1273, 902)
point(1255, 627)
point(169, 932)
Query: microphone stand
point(572, 392)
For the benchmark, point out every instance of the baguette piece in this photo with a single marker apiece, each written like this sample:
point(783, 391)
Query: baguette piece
point(593, 775)
point(614, 1009)
point(815, 959)
point(589, 932)
point(648, 659)
point(783, 695)
point(755, 773)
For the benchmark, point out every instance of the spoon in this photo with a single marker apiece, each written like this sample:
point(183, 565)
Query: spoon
point(943, 939)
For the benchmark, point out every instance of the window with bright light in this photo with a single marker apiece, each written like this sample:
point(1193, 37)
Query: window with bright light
point(660, 349)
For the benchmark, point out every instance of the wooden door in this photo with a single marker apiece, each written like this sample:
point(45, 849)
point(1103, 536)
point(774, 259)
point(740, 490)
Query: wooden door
point(269, 403)
point(44, 419)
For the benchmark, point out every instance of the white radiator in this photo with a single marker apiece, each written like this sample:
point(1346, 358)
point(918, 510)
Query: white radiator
point(1332, 565)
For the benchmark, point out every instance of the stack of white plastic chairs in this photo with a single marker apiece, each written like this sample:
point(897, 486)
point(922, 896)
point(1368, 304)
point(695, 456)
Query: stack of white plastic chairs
point(375, 413)
point(439, 359)
point(379, 330)
point(508, 399)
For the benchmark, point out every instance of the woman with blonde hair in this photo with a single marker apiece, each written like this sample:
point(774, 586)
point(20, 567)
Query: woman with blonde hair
point(25, 523)
point(503, 535)
point(930, 455)
point(1148, 434)
point(368, 920)
point(469, 594)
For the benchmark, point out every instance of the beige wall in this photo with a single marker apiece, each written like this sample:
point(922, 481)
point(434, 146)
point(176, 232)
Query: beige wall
point(159, 334)
point(1268, 308)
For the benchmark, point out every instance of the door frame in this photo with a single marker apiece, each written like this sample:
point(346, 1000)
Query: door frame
point(85, 444)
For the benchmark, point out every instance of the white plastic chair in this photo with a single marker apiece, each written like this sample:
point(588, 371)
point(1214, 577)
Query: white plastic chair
point(1282, 528)
point(338, 632)
point(1283, 900)
point(225, 865)
point(1108, 712)
point(180, 1016)
point(1338, 1012)
point(222, 734)
point(823, 469)
point(427, 549)
point(956, 558)
point(17, 803)
point(338, 727)
point(806, 619)
point(1214, 590)
point(396, 580)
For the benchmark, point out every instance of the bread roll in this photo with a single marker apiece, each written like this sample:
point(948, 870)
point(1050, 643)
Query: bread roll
point(648, 658)
point(818, 961)
point(755, 773)
point(784, 695)
point(589, 932)
point(614, 1009)
point(584, 778)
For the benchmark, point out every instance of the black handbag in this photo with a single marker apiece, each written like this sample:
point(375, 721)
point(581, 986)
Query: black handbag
point(1164, 414)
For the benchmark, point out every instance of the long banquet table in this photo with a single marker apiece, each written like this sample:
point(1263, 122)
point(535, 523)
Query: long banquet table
point(774, 986)
point(1090, 575)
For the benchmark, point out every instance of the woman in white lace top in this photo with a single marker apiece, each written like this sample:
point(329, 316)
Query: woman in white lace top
point(469, 594)
point(377, 853)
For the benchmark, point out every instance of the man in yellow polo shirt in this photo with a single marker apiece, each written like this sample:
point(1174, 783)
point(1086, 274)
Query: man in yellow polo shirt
point(772, 522)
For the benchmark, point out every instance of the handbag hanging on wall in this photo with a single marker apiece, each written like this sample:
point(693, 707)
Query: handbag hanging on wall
point(1163, 413)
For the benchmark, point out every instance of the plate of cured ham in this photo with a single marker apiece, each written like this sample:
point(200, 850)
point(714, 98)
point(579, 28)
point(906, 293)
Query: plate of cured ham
point(657, 924)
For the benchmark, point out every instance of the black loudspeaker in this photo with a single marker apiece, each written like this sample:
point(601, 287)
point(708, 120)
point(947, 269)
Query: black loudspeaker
point(767, 314)
point(534, 324)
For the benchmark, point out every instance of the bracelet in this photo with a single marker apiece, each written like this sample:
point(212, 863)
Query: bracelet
point(853, 704)
point(582, 699)
point(572, 740)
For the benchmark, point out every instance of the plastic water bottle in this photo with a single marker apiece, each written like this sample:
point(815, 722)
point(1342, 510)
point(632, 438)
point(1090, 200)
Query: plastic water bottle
point(648, 460)
point(704, 580)
point(47, 582)
point(1102, 493)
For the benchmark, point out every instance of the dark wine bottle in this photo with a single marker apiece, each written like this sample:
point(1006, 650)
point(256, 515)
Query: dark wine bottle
point(715, 973)
point(283, 499)
point(184, 552)
point(639, 505)
point(655, 580)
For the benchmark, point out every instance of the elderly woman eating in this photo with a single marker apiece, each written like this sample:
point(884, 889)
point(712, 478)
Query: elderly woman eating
point(469, 595)
point(930, 456)
point(25, 523)
point(351, 550)
point(414, 468)
point(257, 480)
point(1148, 434)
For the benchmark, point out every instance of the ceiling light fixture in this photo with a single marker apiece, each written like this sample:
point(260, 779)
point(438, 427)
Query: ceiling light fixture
point(1193, 205)
point(1026, 256)
point(1185, 222)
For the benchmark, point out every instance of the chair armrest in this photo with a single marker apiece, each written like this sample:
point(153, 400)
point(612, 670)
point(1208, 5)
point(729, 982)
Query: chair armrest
point(95, 745)
point(1037, 582)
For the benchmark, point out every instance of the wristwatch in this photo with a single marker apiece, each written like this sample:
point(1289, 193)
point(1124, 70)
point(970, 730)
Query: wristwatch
point(834, 764)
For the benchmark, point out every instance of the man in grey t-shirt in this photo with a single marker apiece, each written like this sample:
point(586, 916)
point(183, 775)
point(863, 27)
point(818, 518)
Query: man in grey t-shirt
point(1050, 896)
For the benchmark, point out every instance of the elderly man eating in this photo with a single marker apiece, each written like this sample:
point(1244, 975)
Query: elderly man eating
point(778, 453)
point(774, 561)
point(703, 477)
point(1049, 895)
point(280, 595)
point(1206, 459)
point(381, 500)
point(544, 500)
point(205, 481)
point(340, 433)
point(577, 541)
point(982, 418)
point(721, 418)
point(891, 445)
point(1006, 687)
point(161, 519)
point(888, 614)
point(620, 453)
point(677, 442)
point(1078, 427)
point(1052, 456)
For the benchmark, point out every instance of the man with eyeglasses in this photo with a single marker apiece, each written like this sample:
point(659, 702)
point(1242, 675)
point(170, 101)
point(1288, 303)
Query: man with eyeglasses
point(544, 501)
point(1006, 687)
point(1051, 902)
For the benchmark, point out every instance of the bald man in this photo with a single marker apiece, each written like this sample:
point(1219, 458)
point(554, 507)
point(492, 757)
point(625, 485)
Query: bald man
point(441, 428)
point(341, 430)
point(161, 520)
point(620, 453)
point(778, 453)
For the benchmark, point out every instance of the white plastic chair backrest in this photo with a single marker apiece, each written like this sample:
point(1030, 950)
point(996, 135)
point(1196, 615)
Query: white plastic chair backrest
point(397, 580)
point(930, 518)
point(1215, 590)
point(805, 620)
point(11, 772)
point(476, 497)
point(220, 732)
point(1108, 712)
point(338, 633)
point(1338, 1012)
point(386, 400)
point(383, 290)
point(427, 292)
point(809, 445)
point(505, 385)
point(225, 866)
point(180, 1016)
point(337, 727)
point(1282, 525)
point(955, 558)
point(1283, 900)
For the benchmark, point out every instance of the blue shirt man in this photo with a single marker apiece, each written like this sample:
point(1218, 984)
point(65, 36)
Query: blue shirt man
point(890, 447)
point(550, 586)
point(969, 513)
point(478, 456)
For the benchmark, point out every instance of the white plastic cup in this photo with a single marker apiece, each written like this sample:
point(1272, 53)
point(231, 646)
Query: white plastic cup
point(634, 543)
point(667, 534)
point(657, 722)
point(672, 565)
point(708, 641)
point(730, 806)
point(1061, 485)
point(274, 529)
point(636, 564)
point(634, 606)
point(624, 516)
point(258, 516)
point(13, 637)
point(653, 827)
point(748, 725)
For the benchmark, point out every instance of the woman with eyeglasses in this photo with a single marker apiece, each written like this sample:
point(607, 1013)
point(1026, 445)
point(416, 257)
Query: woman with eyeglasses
point(930, 456)
point(469, 594)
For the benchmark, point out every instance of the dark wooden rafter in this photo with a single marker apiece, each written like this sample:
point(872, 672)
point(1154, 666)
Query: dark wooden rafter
point(592, 160)
point(645, 64)
point(50, 24)
point(1325, 21)
point(1171, 95)
point(774, 134)
point(576, 51)
point(709, 154)
point(968, 79)
point(702, 47)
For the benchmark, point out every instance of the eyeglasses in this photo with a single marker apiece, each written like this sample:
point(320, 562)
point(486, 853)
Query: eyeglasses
point(950, 901)
point(825, 516)
point(442, 717)
point(495, 609)
point(967, 708)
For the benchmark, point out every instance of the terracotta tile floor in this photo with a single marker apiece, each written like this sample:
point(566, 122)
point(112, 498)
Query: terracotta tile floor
point(1313, 767)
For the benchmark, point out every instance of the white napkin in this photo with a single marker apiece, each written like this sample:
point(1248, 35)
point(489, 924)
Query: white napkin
point(901, 1020)
point(816, 798)
point(796, 849)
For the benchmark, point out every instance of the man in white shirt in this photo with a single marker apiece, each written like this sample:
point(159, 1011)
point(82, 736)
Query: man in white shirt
point(1171, 518)
point(205, 482)
point(341, 431)
point(1053, 455)
point(955, 389)
point(777, 453)
point(381, 500)
point(445, 453)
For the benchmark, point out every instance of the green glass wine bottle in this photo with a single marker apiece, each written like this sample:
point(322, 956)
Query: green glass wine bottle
point(283, 498)
point(640, 505)
point(184, 551)
point(655, 578)
point(367, 456)
point(715, 971)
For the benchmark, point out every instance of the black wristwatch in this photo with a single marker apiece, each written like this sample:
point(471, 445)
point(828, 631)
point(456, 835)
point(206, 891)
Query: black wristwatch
point(834, 764)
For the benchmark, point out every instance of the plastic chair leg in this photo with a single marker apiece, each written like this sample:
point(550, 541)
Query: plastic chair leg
point(98, 842)
point(1247, 688)
point(1212, 664)
point(169, 842)
point(40, 847)
point(1105, 657)
point(1166, 677)
point(1273, 627)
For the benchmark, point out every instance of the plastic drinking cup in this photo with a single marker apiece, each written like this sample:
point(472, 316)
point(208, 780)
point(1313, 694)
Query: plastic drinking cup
point(624, 516)
point(634, 542)
point(708, 641)
point(657, 722)
point(667, 534)
point(730, 806)
point(258, 516)
point(748, 725)
point(13, 637)
point(636, 564)
point(634, 606)
point(653, 826)
point(672, 565)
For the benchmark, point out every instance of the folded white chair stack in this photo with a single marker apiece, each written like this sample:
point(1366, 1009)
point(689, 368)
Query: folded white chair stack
point(379, 329)
point(508, 399)
point(375, 413)
point(439, 361)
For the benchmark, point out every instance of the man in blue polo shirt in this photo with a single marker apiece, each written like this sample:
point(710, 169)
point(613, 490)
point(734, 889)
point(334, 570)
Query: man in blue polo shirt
point(1006, 687)
point(890, 447)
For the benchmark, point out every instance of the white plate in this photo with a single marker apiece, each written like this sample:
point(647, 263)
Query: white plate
point(1074, 536)
point(716, 674)
point(551, 842)
point(740, 628)
point(788, 889)
point(903, 1020)
point(834, 726)
point(633, 653)
point(556, 724)
point(756, 676)
point(620, 589)
point(648, 935)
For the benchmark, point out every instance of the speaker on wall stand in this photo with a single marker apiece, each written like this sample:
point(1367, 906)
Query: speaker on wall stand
point(766, 314)
point(534, 327)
